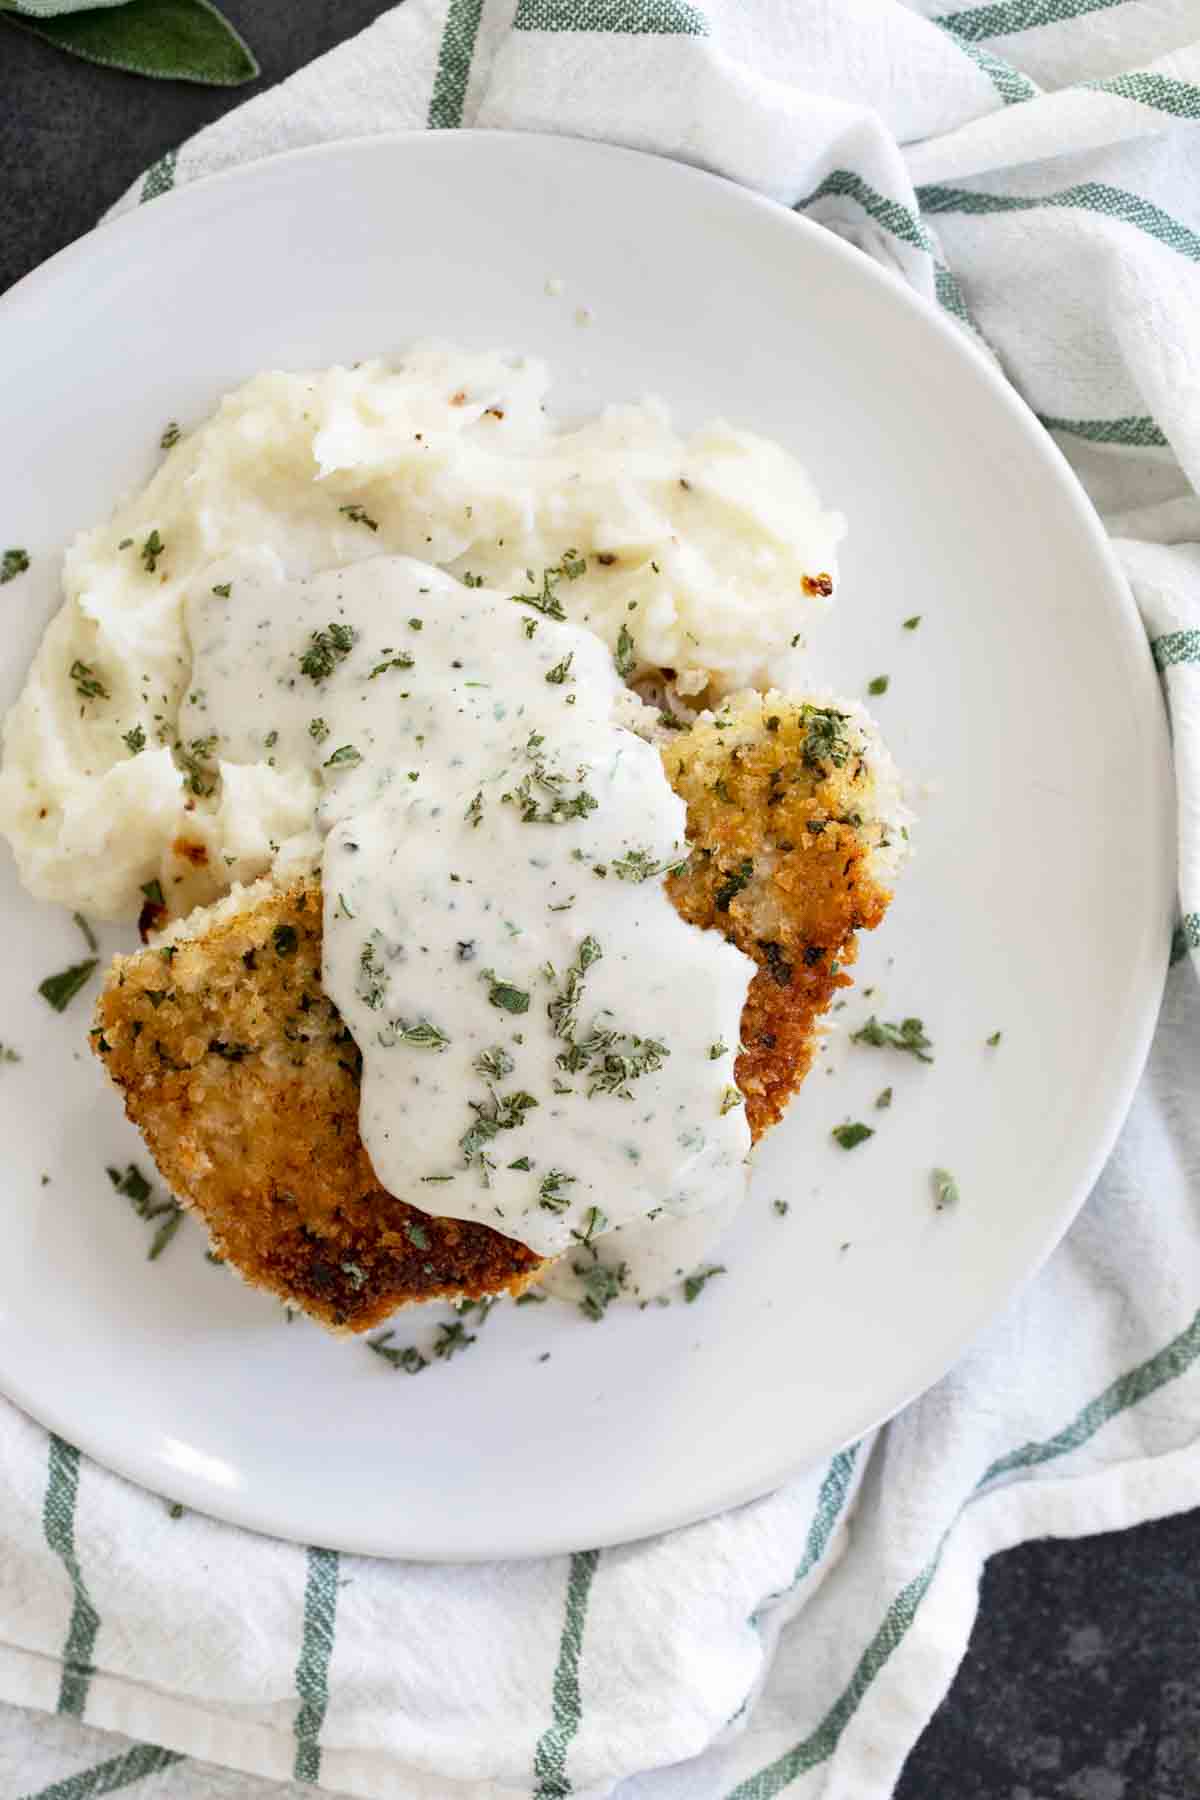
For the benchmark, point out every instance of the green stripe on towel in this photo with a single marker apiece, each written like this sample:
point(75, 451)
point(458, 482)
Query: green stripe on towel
point(900, 220)
point(109, 1777)
point(1176, 647)
point(550, 1757)
point(1087, 196)
point(1009, 83)
point(159, 177)
point(1140, 432)
point(1008, 16)
point(454, 64)
point(639, 18)
point(1186, 937)
point(1163, 92)
point(1128, 1389)
point(312, 1669)
point(58, 1523)
point(892, 215)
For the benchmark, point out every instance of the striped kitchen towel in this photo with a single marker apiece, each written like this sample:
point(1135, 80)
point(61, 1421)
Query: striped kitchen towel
point(1033, 167)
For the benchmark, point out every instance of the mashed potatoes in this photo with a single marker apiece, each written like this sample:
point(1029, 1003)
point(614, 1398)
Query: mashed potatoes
point(704, 557)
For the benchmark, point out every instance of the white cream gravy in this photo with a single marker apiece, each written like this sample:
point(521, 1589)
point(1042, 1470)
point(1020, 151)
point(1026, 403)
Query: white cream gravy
point(547, 1046)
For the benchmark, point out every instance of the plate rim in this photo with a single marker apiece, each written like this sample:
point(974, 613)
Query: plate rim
point(249, 1511)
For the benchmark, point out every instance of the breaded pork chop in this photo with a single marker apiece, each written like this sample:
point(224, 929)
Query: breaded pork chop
point(244, 1082)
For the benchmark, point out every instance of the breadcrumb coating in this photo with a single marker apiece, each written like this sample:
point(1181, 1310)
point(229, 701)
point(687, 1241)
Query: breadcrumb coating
point(244, 1082)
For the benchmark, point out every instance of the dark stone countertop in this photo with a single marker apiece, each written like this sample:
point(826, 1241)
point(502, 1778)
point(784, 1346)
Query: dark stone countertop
point(1082, 1680)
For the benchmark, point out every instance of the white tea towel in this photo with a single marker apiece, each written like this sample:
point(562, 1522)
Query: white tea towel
point(1033, 167)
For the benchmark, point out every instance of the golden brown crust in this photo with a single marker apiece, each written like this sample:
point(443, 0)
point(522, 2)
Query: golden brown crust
point(244, 1082)
point(781, 843)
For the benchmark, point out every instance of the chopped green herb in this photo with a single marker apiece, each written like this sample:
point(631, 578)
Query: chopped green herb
point(695, 1284)
point(13, 563)
point(223, 589)
point(626, 653)
point(879, 685)
point(318, 730)
point(472, 581)
point(494, 1064)
point(417, 1235)
point(137, 1190)
point(781, 1207)
point(133, 1184)
point(358, 516)
point(571, 566)
point(372, 976)
point(153, 892)
point(170, 436)
point(994, 1039)
point(530, 1298)
point(730, 1100)
point(561, 807)
point(59, 990)
point(165, 1233)
point(849, 1136)
point(594, 1222)
point(503, 994)
point(561, 671)
point(945, 1189)
point(409, 1358)
point(601, 1285)
point(911, 624)
point(134, 741)
point(418, 624)
point(89, 936)
point(825, 738)
point(639, 865)
point(563, 1008)
point(908, 1035)
point(474, 812)
point(498, 1113)
point(733, 884)
point(345, 757)
point(402, 661)
point(87, 683)
point(452, 1338)
point(717, 1050)
point(151, 550)
point(884, 1099)
point(326, 649)
point(421, 1036)
point(778, 967)
point(551, 1193)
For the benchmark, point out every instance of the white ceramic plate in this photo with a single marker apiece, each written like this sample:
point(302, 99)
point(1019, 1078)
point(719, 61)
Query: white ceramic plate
point(1038, 903)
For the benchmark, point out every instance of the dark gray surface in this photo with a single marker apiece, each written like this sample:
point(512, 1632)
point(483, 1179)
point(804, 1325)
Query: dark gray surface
point(1082, 1681)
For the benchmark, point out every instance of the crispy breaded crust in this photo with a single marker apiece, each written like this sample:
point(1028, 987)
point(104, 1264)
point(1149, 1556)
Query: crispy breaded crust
point(244, 1082)
point(781, 841)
